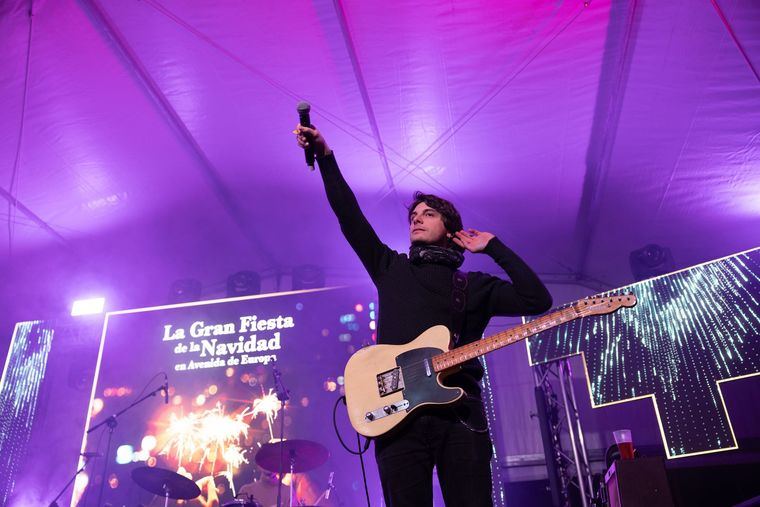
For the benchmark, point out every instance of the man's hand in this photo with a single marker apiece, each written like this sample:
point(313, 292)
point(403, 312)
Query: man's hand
point(307, 137)
point(472, 240)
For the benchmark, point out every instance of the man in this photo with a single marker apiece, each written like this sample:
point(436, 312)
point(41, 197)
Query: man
point(415, 292)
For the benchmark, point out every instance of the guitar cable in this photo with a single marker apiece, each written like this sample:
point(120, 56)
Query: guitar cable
point(361, 449)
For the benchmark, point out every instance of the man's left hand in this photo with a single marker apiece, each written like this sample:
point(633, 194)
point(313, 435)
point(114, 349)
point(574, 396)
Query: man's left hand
point(472, 240)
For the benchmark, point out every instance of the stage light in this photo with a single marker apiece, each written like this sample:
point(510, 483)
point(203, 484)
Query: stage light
point(97, 406)
point(148, 443)
point(185, 290)
point(308, 276)
point(124, 454)
point(359, 307)
point(651, 261)
point(90, 306)
point(243, 283)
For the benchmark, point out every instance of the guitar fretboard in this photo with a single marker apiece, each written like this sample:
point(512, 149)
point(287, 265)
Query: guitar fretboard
point(478, 348)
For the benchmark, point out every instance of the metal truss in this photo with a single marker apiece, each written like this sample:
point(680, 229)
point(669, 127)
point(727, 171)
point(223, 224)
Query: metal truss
point(567, 462)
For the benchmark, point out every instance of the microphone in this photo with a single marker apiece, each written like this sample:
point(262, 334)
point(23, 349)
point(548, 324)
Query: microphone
point(282, 393)
point(166, 390)
point(303, 109)
point(88, 455)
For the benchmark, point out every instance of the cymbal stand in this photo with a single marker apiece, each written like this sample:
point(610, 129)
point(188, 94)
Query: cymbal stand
point(283, 395)
point(326, 493)
point(112, 422)
point(292, 475)
point(166, 496)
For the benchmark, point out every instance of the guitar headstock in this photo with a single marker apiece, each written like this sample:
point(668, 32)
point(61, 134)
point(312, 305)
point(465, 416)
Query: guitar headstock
point(604, 305)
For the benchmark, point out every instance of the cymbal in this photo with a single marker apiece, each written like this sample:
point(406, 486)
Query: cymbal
point(161, 481)
point(305, 455)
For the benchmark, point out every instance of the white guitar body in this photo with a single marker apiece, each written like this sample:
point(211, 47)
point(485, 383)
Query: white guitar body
point(386, 383)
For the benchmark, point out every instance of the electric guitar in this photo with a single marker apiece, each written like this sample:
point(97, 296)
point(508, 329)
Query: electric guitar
point(386, 383)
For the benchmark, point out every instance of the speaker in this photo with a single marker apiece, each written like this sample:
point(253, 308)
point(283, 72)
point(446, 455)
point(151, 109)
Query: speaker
point(640, 482)
point(650, 261)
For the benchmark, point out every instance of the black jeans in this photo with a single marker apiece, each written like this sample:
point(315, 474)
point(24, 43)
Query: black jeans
point(437, 438)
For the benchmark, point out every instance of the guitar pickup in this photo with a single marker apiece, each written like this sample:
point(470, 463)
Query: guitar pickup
point(386, 410)
point(390, 381)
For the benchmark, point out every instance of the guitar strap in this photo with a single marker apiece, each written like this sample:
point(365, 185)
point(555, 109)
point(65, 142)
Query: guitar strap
point(458, 304)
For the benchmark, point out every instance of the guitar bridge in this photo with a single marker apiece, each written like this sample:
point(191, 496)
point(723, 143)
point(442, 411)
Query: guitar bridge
point(390, 381)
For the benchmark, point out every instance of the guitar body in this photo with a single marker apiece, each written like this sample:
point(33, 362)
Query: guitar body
point(386, 383)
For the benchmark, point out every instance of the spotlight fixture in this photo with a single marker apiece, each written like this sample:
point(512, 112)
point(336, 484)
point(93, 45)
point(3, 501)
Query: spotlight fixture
point(308, 276)
point(243, 283)
point(185, 290)
point(650, 261)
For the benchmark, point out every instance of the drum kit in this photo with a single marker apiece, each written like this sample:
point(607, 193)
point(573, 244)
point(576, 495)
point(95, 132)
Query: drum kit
point(287, 456)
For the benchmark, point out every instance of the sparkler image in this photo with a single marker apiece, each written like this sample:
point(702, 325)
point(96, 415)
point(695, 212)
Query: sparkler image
point(184, 437)
point(268, 405)
point(208, 438)
point(213, 439)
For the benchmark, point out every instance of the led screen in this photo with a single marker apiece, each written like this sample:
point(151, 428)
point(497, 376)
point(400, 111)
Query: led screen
point(690, 331)
point(219, 358)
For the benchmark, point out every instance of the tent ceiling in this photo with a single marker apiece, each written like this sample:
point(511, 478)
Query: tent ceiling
point(576, 133)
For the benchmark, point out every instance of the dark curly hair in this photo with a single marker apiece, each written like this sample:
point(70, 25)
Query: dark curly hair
point(451, 218)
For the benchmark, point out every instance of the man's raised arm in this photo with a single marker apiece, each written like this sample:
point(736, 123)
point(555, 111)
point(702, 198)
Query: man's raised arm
point(372, 252)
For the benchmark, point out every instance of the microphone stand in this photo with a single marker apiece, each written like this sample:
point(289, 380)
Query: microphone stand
point(283, 395)
point(54, 503)
point(112, 422)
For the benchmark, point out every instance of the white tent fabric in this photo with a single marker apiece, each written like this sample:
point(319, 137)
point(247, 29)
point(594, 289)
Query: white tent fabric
point(575, 132)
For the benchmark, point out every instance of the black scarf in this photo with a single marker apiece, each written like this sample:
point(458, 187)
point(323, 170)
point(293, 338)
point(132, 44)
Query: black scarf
point(419, 254)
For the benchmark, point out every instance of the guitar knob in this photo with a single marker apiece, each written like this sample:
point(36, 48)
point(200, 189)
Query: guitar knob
point(387, 409)
point(370, 416)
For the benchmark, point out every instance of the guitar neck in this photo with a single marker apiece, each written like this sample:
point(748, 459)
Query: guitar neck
point(478, 348)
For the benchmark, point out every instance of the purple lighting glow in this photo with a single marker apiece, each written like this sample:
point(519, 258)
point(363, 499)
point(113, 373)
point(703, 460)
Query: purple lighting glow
point(90, 306)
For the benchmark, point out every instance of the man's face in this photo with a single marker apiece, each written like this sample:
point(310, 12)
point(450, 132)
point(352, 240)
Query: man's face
point(426, 226)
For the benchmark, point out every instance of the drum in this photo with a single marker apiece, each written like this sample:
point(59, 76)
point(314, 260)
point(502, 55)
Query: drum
point(243, 502)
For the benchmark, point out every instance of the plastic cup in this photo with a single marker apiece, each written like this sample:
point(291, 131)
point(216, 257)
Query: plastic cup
point(624, 443)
